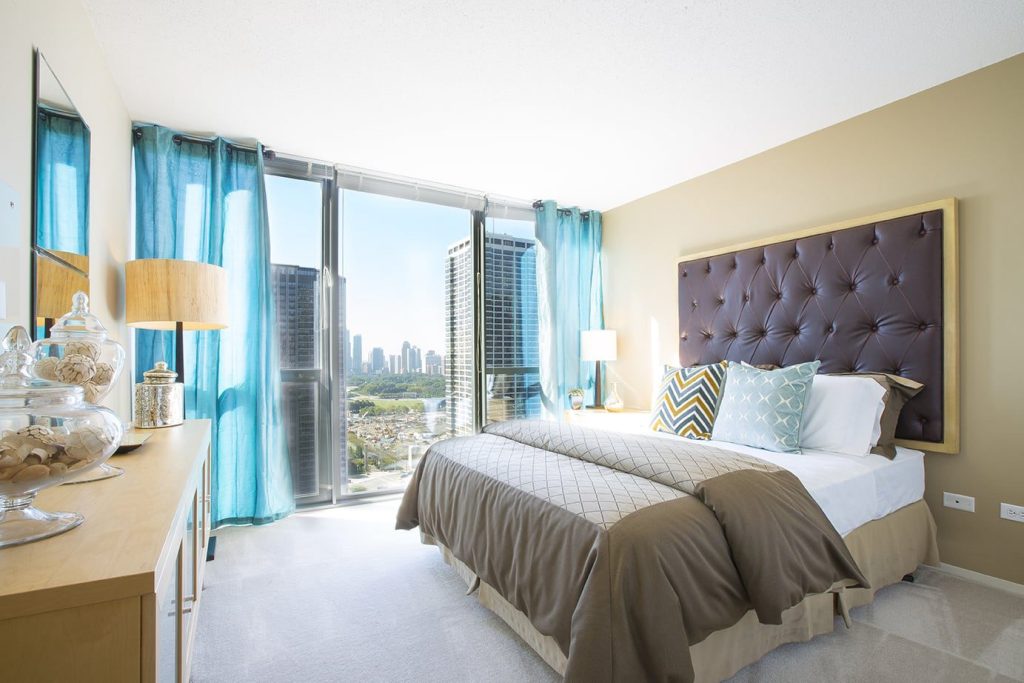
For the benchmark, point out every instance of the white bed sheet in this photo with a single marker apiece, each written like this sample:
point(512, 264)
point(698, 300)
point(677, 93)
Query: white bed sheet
point(851, 490)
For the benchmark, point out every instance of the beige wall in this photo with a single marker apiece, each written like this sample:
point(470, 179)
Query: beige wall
point(964, 138)
point(63, 31)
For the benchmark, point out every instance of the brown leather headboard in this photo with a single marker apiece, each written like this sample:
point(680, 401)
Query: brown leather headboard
point(876, 294)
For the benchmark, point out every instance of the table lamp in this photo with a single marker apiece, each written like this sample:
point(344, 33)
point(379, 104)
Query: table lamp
point(170, 294)
point(597, 346)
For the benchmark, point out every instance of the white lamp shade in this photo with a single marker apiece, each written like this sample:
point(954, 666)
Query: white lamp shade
point(597, 345)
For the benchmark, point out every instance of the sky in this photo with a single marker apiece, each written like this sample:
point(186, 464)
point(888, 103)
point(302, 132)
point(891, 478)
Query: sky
point(393, 257)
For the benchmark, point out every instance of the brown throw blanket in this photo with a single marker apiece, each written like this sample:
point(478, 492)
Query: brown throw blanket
point(625, 549)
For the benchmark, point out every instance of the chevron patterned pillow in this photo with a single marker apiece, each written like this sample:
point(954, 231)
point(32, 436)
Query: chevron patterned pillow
point(688, 399)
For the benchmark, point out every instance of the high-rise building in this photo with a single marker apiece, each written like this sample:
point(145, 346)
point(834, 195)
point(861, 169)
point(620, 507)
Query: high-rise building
point(298, 314)
point(296, 297)
point(406, 359)
point(357, 354)
point(341, 370)
point(458, 337)
point(394, 364)
point(511, 342)
point(346, 341)
point(377, 360)
point(432, 363)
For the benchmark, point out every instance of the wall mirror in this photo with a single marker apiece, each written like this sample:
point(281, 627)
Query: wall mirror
point(60, 198)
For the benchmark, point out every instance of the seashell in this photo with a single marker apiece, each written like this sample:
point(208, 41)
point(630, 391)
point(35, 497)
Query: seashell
point(8, 460)
point(83, 348)
point(57, 469)
point(92, 392)
point(37, 456)
point(88, 441)
point(79, 465)
point(8, 472)
point(37, 432)
point(31, 473)
point(23, 449)
point(46, 368)
point(104, 374)
point(76, 369)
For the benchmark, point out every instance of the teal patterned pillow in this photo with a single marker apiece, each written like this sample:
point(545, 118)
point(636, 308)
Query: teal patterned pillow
point(764, 408)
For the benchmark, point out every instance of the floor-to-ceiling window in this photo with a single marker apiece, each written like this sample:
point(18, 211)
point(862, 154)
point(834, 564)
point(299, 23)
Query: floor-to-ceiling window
point(407, 314)
point(297, 218)
point(408, 323)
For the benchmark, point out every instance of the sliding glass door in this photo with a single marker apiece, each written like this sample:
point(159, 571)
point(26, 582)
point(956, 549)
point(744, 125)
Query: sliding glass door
point(400, 322)
point(408, 282)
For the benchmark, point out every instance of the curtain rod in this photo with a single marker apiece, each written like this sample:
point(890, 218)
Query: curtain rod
point(540, 202)
point(178, 138)
point(47, 110)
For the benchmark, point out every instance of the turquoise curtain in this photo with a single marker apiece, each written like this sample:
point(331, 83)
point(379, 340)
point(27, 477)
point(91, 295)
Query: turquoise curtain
point(62, 182)
point(205, 201)
point(570, 299)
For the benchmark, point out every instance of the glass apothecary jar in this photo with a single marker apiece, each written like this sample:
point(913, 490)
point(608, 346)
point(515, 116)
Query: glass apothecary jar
point(79, 351)
point(48, 435)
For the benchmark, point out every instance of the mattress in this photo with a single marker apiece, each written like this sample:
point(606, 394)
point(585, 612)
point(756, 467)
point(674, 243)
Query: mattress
point(851, 490)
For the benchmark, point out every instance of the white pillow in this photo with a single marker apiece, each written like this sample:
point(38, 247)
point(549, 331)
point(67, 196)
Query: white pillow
point(842, 415)
point(876, 431)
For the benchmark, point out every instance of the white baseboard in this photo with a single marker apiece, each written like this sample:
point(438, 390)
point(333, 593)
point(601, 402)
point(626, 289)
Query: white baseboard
point(983, 579)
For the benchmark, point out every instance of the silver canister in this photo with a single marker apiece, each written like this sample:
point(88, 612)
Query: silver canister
point(159, 400)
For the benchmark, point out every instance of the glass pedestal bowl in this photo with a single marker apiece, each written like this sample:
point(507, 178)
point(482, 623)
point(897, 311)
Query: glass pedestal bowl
point(79, 351)
point(48, 435)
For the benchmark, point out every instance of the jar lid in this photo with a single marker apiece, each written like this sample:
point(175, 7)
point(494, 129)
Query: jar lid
point(160, 374)
point(17, 382)
point(78, 323)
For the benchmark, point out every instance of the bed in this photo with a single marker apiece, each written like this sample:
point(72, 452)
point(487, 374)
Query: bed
point(622, 556)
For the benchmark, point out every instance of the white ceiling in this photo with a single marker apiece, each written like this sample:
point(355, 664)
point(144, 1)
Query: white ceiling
point(588, 102)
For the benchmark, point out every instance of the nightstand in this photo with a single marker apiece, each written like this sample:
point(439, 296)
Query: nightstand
point(626, 420)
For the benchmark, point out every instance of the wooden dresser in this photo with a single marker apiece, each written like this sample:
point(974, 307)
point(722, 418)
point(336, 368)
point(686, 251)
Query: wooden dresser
point(115, 599)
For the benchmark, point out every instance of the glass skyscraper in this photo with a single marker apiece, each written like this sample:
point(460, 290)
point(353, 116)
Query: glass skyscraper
point(511, 343)
point(296, 293)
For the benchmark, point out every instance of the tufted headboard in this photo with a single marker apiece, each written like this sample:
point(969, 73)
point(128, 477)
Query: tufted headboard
point(871, 294)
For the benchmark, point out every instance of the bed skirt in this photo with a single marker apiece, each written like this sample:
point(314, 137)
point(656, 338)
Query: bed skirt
point(886, 550)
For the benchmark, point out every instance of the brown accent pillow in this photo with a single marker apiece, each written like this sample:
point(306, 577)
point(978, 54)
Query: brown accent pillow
point(898, 390)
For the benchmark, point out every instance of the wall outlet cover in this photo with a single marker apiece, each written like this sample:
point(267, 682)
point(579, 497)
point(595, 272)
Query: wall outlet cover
point(1014, 513)
point(958, 501)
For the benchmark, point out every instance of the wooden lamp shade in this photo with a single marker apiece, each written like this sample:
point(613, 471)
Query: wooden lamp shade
point(169, 294)
point(161, 293)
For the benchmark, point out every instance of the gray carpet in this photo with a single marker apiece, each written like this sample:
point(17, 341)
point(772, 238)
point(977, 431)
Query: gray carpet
point(338, 595)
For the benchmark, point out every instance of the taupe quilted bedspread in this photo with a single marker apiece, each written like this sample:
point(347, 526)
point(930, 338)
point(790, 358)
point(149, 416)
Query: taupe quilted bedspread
point(625, 549)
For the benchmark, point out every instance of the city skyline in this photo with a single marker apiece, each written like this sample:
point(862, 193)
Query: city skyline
point(419, 362)
point(383, 240)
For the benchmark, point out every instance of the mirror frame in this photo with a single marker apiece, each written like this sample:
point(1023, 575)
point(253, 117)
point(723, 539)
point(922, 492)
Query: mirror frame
point(37, 252)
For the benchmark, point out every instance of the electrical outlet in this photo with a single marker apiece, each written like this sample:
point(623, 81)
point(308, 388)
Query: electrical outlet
point(1014, 513)
point(957, 501)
